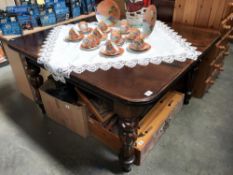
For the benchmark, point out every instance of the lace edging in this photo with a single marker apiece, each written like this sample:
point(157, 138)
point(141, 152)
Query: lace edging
point(49, 44)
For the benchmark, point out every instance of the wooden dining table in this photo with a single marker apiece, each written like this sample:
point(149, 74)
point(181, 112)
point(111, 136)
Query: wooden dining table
point(125, 87)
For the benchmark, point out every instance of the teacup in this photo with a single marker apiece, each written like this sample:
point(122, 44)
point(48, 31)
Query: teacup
point(74, 35)
point(102, 26)
point(90, 42)
point(111, 48)
point(124, 26)
point(138, 43)
point(99, 34)
point(133, 33)
point(83, 26)
point(116, 37)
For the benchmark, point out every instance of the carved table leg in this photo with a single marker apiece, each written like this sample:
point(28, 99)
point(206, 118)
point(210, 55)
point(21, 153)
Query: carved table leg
point(128, 135)
point(36, 80)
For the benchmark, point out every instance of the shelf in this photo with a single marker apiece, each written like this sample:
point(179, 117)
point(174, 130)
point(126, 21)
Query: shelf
point(38, 29)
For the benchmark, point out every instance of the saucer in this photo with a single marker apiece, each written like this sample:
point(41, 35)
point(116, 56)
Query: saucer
point(124, 32)
point(135, 31)
point(120, 52)
point(81, 36)
point(104, 37)
point(89, 49)
point(120, 43)
point(89, 29)
point(108, 30)
point(143, 49)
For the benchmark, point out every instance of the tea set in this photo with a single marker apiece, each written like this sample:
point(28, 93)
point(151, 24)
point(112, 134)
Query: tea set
point(118, 36)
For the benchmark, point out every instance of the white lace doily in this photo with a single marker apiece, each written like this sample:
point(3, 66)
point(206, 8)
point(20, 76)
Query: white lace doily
point(61, 57)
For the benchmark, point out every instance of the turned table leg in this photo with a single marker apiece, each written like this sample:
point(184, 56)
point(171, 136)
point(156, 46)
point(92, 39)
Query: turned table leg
point(128, 135)
point(36, 80)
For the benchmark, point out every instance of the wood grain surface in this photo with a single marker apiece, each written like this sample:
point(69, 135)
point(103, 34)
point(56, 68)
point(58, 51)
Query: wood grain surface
point(202, 13)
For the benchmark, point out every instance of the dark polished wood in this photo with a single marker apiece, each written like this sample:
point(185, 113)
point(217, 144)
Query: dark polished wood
point(126, 87)
point(128, 135)
point(165, 9)
point(36, 80)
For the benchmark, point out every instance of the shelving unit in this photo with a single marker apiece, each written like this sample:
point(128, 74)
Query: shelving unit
point(38, 29)
point(18, 65)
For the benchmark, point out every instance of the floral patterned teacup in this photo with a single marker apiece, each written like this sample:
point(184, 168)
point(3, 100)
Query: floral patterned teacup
point(138, 43)
point(83, 26)
point(111, 49)
point(90, 42)
point(102, 26)
point(74, 35)
point(116, 37)
point(99, 34)
point(133, 33)
point(124, 26)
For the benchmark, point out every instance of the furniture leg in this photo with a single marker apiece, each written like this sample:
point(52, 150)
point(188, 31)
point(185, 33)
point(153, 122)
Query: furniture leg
point(36, 80)
point(128, 135)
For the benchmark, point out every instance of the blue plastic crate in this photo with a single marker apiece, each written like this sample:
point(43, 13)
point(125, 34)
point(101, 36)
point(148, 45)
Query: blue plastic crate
point(25, 2)
point(34, 10)
point(19, 10)
point(61, 11)
point(75, 11)
point(89, 5)
point(11, 27)
point(49, 3)
point(83, 7)
point(27, 19)
point(48, 19)
point(59, 1)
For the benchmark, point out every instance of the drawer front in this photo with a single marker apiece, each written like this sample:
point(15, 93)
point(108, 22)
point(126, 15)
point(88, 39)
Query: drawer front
point(150, 128)
point(226, 24)
point(217, 63)
point(211, 79)
point(222, 45)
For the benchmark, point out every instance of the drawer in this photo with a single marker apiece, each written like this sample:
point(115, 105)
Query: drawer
point(155, 123)
point(217, 63)
point(151, 126)
point(211, 79)
point(222, 44)
point(226, 24)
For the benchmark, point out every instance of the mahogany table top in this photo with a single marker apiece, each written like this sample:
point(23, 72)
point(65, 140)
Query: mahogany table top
point(127, 84)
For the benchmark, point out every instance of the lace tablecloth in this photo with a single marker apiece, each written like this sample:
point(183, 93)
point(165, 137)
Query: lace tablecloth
point(61, 57)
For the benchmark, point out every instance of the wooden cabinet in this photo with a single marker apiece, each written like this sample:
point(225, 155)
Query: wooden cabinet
point(212, 14)
point(202, 13)
point(211, 65)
